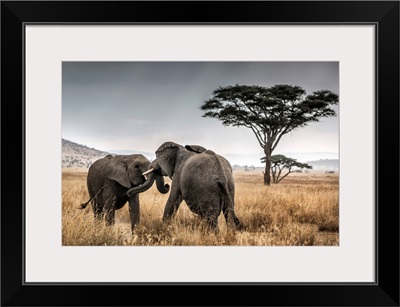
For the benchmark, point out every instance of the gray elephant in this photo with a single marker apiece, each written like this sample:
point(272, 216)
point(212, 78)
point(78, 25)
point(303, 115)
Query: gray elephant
point(200, 177)
point(108, 181)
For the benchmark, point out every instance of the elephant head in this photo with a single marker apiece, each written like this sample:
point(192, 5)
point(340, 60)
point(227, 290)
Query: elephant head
point(127, 170)
point(164, 165)
point(153, 173)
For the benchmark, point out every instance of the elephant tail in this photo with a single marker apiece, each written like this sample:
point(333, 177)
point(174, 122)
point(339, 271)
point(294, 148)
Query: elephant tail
point(224, 177)
point(84, 205)
point(227, 199)
point(228, 207)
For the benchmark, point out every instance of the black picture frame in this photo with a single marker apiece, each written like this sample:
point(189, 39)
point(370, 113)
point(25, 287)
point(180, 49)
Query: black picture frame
point(383, 14)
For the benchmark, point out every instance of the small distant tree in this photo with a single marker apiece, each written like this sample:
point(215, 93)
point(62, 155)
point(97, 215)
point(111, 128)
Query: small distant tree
point(280, 163)
point(270, 112)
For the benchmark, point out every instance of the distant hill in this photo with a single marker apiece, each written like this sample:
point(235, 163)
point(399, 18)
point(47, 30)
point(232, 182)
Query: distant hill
point(317, 165)
point(325, 164)
point(303, 157)
point(79, 156)
point(306, 157)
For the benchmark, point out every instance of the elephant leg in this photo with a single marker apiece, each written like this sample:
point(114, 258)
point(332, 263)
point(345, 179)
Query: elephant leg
point(212, 221)
point(231, 219)
point(238, 224)
point(172, 205)
point(109, 210)
point(134, 210)
point(110, 217)
point(209, 211)
point(97, 209)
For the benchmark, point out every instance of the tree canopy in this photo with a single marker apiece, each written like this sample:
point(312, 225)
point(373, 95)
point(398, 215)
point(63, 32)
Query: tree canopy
point(270, 112)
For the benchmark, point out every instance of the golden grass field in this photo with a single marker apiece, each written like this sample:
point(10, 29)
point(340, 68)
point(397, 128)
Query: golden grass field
point(302, 210)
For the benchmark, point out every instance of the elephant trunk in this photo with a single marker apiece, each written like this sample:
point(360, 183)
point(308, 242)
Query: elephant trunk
point(162, 188)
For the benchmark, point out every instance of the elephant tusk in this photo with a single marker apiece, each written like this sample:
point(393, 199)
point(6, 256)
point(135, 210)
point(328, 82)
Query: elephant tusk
point(148, 171)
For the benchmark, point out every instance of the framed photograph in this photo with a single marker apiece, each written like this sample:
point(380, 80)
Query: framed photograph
point(247, 147)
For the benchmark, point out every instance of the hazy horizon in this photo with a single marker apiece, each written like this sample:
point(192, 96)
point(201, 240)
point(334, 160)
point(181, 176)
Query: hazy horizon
point(238, 159)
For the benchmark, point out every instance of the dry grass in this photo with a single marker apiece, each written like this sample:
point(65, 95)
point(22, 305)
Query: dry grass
point(301, 210)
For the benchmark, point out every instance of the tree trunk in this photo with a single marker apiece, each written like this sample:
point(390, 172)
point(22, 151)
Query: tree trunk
point(267, 172)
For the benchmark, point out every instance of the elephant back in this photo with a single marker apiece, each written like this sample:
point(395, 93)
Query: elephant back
point(209, 164)
point(224, 162)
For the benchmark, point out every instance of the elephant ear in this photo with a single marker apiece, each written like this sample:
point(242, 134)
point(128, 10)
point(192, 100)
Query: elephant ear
point(195, 148)
point(118, 171)
point(167, 145)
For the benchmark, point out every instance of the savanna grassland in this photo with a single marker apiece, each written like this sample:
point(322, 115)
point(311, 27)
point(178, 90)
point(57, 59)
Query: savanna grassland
point(303, 209)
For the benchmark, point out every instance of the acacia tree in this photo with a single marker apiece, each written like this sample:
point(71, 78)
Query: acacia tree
point(270, 112)
point(279, 163)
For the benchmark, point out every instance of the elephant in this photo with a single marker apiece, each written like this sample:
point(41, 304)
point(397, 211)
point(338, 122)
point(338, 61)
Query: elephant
point(200, 177)
point(108, 181)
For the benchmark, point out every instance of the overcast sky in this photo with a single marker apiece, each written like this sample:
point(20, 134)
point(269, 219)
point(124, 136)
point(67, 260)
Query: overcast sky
point(139, 105)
